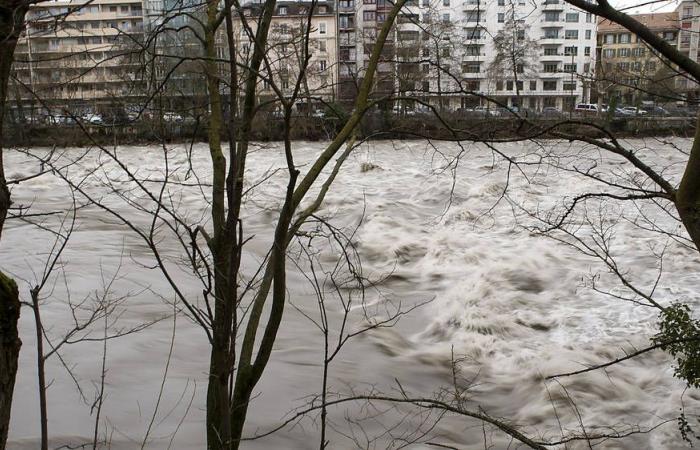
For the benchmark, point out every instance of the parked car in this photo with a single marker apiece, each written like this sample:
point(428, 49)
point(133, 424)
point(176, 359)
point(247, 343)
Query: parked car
point(92, 119)
point(656, 111)
point(172, 117)
point(61, 120)
point(589, 109)
point(680, 111)
point(634, 111)
point(550, 111)
point(487, 112)
point(619, 112)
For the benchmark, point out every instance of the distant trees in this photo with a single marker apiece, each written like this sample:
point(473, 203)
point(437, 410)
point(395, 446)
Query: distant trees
point(515, 53)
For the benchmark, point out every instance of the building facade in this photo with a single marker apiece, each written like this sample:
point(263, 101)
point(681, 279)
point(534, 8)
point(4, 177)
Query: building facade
point(627, 70)
point(287, 52)
point(80, 54)
point(688, 14)
point(522, 54)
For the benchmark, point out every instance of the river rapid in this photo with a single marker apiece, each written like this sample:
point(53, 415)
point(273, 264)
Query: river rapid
point(436, 225)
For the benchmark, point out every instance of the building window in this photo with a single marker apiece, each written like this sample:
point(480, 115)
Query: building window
point(551, 16)
point(472, 50)
point(589, 17)
point(588, 34)
point(551, 51)
point(650, 66)
point(322, 45)
point(551, 33)
point(322, 65)
point(426, 86)
point(623, 52)
point(549, 85)
point(322, 28)
point(519, 85)
point(446, 52)
point(368, 16)
point(471, 67)
point(687, 12)
point(624, 38)
point(570, 68)
point(571, 34)
point(501, 17)
point(519, 68)
point(499, 85)
point(533, 85)
point(501, 2)
point(446, 17)
point(445, 2)
point(550, 67)
point(509, 85)
point(282, 10)
point(587, 67)
point(426, 68)
point(609, 38)
point(571, 51)
point(569, 86)
point(609, 53)
point(572, 17)
point(473, 16)
point(587, 51)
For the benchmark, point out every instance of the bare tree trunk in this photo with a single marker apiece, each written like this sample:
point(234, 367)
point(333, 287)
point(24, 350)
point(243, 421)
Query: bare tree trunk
point(220, 364)
point(41, 370)
point(10, 345)
point(11, 25)
point(688, 194)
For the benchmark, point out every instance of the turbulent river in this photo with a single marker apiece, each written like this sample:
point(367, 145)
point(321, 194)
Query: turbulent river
point(438, 226)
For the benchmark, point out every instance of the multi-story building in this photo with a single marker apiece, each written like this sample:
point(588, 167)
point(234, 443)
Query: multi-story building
point(688, 14)
point(286, 50)
point(516, 52)
point(627, 69)
point(80, 54)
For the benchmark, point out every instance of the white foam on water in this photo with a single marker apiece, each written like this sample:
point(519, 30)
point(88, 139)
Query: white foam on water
point(511, 305)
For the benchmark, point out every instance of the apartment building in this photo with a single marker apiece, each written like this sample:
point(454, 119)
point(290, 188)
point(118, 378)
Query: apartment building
point(688, 15)
point(446, 49)
point(627, 69)
point(286, 51)
point(80, 54)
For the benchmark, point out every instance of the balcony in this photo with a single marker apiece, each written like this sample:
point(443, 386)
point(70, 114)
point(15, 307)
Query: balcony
point(476, 57)
point(553, 5)
point(552, 40)
point(472, 6)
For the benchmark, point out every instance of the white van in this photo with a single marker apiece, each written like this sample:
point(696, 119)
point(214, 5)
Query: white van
point(589, 108)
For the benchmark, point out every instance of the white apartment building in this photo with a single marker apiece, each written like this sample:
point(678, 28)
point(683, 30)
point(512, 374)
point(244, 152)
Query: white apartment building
point(447, 49)
point(78, 53)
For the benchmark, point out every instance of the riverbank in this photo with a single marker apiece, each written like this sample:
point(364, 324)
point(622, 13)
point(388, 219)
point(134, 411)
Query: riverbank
point(374, 127)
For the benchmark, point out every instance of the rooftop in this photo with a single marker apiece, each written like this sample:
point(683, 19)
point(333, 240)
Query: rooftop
point(654, 21)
